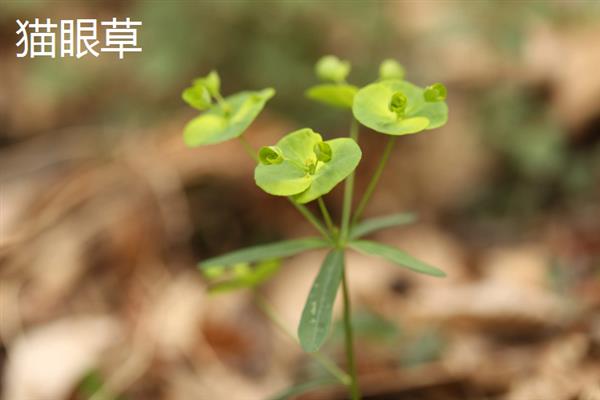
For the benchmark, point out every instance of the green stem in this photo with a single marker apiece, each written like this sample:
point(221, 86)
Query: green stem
point(222, 103)
point(348, 190)
point(274, 317)
point(326, 215)
point(311, 218)
point(374, 179)
point(354, 389)
point(248, 147)
point(341, 242)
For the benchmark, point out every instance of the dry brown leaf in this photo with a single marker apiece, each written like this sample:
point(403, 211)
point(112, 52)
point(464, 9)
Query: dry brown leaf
point(48, 361)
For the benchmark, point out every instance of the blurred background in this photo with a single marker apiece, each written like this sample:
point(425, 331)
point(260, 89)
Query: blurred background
point(104, 213)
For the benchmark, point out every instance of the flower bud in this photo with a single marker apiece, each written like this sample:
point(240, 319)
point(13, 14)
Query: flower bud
point(398, 104)
point(322, 151)
point(269, 155)
point(212, 82)
point(391, 69)
point(197, 96)
point(331, 68)
point(435, 92)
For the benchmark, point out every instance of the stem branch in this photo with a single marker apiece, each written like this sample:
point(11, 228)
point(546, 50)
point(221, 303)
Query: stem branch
point(348, 190)
point(222, 103)
point(248, 147)
point(326, 215)
point(310, 217)
point(374, 180)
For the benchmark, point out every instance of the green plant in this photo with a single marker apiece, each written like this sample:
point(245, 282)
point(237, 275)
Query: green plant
point(303, 167)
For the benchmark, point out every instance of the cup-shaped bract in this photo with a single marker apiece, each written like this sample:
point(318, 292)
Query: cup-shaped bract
point(304, 173)
point(339, 95)
point(197, 96)
point(212, 82)
point(218, 125)
point(377, 106)
point(435, 92)
point(270, 155)
point(323, 151)
point(331, 68)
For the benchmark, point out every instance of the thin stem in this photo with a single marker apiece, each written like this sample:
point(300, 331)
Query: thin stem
point(310, 217)
point(348, 190)
point(354, 389)
point(374, 179)
point(224, 105)
point(274, 317)
point(326, 215)
point(248, 147)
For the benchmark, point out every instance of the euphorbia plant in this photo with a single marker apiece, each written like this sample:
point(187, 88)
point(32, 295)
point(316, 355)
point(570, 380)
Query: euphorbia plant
point(303, 167)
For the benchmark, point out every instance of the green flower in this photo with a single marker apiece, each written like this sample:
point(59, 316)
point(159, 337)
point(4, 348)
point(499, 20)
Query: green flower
point(338, 93)
point(396, 107)
point(309, 167)
point(331, 68)
point(225, 118)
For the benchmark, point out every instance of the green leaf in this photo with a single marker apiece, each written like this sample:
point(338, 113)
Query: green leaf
point(337, 95)
point(247, 278)
point(316, 316)
point(331, 68)
point(217, 125)
point(395, 256)
point(285, 248)
point(297, 390)
point(372, 108)
point(374, 224)
point(301, 173)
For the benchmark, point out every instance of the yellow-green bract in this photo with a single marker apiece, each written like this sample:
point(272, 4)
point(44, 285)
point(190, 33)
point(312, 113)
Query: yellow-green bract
point(218, 125)
point(334, 94)
point(301, 174)
point(372, 108)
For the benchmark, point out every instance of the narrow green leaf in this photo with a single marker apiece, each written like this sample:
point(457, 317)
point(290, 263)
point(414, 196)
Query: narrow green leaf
point(316, 316)
point(247, 278)
point(374, 224)
point(302, 388)
point(285, 248)
point(395, 256)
